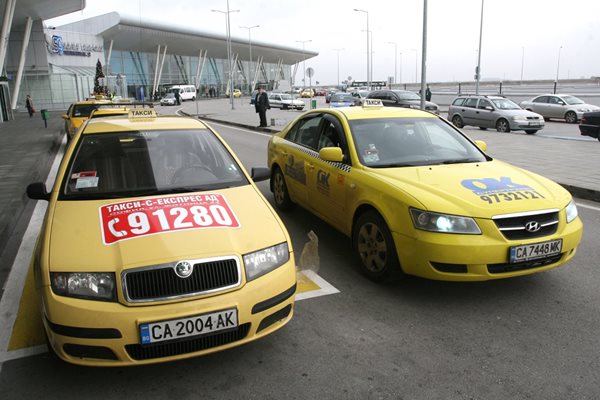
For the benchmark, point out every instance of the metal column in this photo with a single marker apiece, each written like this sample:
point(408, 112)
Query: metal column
point(9, 12)
point(24, 47)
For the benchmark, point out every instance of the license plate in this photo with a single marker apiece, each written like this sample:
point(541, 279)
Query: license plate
point(534, 123)
point(535, 251)
point(154, 332)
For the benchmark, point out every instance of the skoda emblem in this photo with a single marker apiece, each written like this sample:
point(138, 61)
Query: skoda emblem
point(532, 226)
point(183, 269)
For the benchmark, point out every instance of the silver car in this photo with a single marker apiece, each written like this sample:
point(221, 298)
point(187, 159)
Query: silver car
point(493, 112)
point(562, 106)
point(285, 101)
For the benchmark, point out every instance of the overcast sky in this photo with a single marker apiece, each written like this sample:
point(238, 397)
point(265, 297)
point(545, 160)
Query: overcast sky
point(518, 35)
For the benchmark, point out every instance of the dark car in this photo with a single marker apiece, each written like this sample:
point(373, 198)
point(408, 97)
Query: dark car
point(590, 124)
point(402, 98)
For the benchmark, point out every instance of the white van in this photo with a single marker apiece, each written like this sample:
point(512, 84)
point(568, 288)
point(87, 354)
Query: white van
point(186, 92)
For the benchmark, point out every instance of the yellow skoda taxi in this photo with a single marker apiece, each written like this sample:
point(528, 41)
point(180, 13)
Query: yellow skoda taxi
point(157, 245)
point(418, 197)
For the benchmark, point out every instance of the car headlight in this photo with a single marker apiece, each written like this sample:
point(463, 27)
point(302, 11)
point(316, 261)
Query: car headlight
point(571, 210)
point(415, 106)
point(520, 118)
point(265, 260)
point(85, 285)
point(445, 223)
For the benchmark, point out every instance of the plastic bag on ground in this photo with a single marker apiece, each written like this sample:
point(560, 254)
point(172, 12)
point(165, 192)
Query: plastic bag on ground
point(309, 258)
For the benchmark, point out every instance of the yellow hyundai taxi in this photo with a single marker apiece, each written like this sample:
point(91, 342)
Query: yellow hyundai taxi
point(157, 245)
point(418, 197)
point(78, 113)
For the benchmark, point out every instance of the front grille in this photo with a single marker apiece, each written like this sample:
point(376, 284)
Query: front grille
point(191, 345)
point(522, 266)
point(513, 226)
point(153, 284)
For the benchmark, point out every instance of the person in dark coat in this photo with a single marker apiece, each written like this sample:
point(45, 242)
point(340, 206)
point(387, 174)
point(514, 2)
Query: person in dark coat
point(428, 93)
point(29, 106)
point(177, 97)
point(261, 104)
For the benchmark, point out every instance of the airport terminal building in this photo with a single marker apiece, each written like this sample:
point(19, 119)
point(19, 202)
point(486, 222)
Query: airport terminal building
point(140, 59)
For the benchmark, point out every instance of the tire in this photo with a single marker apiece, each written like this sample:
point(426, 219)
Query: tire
point(284, 107)
point(502, 125)
point(457, 121)
point(280, 191)
point(483, 128)
point(530, 131)
point(571, 117)
point(375, 248)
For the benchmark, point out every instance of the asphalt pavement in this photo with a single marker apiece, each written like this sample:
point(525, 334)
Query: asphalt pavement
point(28, 147)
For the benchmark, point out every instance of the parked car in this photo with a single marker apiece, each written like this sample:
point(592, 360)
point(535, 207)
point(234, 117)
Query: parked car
point(168, 99)
point(308, 93)
point(285, 101)
point(561, 106)
point(121, 270)
point(418, 197)
point(360, 95)
point(493, 112)
point(590, 124)
point(402, 98)
point(330, 92)
point(341, 99)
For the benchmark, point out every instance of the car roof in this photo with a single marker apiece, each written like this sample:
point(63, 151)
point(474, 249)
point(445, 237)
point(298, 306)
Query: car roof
point(123, 124)
point(103, 112)
point(359, 112)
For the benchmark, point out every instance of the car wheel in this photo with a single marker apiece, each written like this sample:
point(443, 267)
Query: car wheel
point(375, 248)
point(502, 126)
point(530, 131)
point(457, 121)
point(571, 117)
point(285, 107)
point(280, 191)
point(483, 128)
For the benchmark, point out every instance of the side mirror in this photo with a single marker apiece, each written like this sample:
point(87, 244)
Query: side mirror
point(489, 108)
point(37, 191)
point(481, 144)
point(333, 154)
point(260, 174)
point(65, 116)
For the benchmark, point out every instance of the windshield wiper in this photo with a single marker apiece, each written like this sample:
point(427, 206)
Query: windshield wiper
point(394, 165)
point(461, 160)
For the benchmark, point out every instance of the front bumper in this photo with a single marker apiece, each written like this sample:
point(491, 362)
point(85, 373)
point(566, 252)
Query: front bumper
point(521, 125)
point(482, 257)
point(100, 333)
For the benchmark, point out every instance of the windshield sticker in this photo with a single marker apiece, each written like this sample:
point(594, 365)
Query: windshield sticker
point(371, 154)
point(492, 190)
point(136, 218)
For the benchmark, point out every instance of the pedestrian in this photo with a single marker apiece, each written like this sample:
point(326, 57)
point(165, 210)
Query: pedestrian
point(206, 92)
point(428, 93)
point(261, 104)
point(177, 97)
point(29, 105)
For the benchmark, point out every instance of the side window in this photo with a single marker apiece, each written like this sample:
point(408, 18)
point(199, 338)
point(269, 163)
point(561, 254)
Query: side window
point(484, 103)
point(458, 102)
point(471, 102)
point(306, 132)
point(541, 99)
point(556, 100)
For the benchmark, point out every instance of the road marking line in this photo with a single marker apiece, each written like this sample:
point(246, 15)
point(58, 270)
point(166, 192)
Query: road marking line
point(589, 207)
point(325, 287)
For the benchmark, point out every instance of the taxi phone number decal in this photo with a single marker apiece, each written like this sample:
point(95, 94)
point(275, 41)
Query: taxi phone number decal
point(131, 219)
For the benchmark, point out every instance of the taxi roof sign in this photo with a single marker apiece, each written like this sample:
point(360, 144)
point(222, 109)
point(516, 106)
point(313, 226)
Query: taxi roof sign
point(372, 103)
point(141, 113)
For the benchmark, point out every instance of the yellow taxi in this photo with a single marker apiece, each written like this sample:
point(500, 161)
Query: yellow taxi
point(109, 112)
point(157, 245)
point(237, 93)
point(78, 112)
point(418, 197)
point(307, 93)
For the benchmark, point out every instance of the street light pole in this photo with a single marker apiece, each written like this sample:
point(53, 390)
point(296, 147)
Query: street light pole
point(522, 62)
point(558, 63)
point(416, 56)
point(478, 69)
point(395, 61)
point(250, 76)
point(303, 61)
point(338, 66)
point(228, 33)
point(368, 50)
point(400, 68)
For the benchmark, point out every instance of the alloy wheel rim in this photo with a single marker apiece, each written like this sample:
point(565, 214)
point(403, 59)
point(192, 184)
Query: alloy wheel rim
point(372, 247)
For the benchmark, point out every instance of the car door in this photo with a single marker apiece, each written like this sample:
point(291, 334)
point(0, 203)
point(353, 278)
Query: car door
point(328, 181)
point(485, 114)
point(468, 110)
point(299, 154)
point(556, 107)
point(540, 105)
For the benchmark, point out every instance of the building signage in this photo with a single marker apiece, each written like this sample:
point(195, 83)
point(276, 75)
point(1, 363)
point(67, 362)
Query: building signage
point(56, 45)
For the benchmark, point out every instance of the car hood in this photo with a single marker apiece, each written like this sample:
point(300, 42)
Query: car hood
point(77, 237)
point(476, 189)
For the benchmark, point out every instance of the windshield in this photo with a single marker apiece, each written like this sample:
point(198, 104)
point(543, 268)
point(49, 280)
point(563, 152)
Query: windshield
point(402, 142)
point(286, 97)
point(408, 96)
point(83, 110)
point(505, 104)
point(342, 98)
point(572, 100)
point(169, 96)
point(137, 163)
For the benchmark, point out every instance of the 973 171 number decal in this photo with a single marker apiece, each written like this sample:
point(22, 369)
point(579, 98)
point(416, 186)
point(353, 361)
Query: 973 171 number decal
point(511, 196)
point(130, 219)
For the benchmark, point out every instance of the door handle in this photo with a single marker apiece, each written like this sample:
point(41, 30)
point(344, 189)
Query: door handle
point(310, 166)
